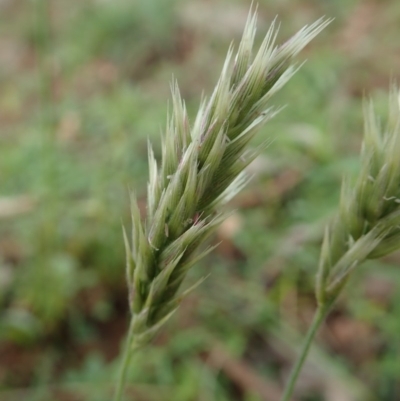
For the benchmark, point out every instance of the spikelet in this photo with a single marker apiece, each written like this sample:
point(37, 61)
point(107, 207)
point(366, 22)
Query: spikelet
point(367, 225)
point(202, 167)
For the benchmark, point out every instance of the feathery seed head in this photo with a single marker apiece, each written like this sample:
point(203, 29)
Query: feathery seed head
point(202, 167)
point(368, 222)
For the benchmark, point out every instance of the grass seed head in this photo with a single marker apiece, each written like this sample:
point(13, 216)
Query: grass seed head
point(202, 167)
point(368, 221)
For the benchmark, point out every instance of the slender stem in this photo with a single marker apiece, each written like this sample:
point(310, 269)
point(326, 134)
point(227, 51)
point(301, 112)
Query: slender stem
point(128, 352)
point(319, 317)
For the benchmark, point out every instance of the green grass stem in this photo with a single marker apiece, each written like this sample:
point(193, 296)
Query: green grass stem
point(126, 358)
point(319, 317)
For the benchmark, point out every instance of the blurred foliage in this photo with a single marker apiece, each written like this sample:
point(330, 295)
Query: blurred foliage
point(83, 85)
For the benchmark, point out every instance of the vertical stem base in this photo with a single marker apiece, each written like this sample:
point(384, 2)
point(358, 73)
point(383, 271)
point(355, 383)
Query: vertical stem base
point(128, 352)
point(319, 317)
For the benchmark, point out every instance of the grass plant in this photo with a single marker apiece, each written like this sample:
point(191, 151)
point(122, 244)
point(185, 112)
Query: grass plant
point(83, 86)
point(367, 224)
point(202, 168)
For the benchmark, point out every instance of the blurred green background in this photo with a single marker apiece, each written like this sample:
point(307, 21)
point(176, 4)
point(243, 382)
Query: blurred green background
point(83, 84)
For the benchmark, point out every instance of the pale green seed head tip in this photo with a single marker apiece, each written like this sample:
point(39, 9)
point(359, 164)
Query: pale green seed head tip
point(153, 188)
point(251, 22)
point(372, 138)
point(383, 146)
point(137, 228)
point(301, 39)
point(393, 129)
point(394, 107)
point(245, 49)
point(267, 48)
point(127, 249)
